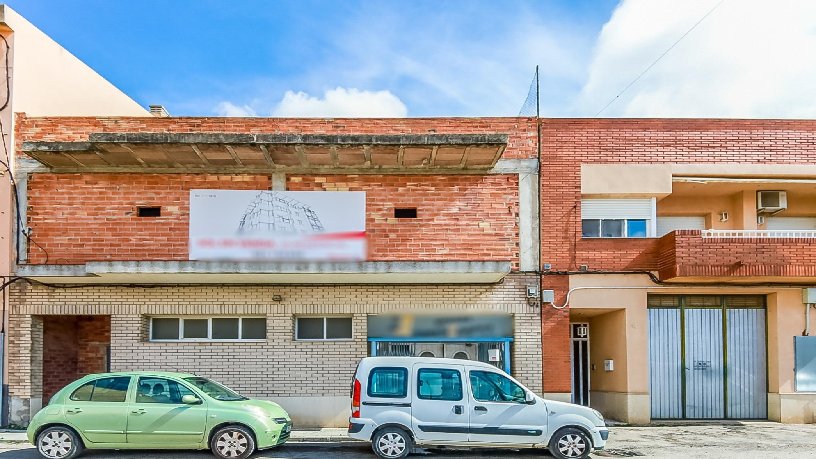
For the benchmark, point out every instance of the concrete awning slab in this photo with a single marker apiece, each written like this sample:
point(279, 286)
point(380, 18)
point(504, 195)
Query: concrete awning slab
point(214, 272)
point(224, 152)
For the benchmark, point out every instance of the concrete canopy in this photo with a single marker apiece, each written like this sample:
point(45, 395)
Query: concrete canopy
point(229, 152)
point(225, 272)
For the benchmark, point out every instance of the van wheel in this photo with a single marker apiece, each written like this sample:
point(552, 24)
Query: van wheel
point(233, 442)
point(570, 443)
point(392, 443)
point(59, 442)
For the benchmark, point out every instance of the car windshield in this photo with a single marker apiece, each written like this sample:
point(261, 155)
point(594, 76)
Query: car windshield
point(214, 390)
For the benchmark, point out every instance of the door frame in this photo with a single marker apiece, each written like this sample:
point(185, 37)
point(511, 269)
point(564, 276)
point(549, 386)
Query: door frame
point(587, 374)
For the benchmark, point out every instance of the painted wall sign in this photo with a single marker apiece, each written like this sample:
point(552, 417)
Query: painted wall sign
point(267, 225)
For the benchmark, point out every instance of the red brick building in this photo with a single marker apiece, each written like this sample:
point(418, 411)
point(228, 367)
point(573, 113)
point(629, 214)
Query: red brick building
point(676, 252)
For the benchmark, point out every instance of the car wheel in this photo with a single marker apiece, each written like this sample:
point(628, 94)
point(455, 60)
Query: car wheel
point(59, 442)
point(392, 443)
point(233, 442)
point(570, 443)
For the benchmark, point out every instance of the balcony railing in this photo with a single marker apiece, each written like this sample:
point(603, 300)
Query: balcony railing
point(758, 234)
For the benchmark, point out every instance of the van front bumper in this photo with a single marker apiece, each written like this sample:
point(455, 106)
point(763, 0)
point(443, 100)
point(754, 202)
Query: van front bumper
point(599, 437)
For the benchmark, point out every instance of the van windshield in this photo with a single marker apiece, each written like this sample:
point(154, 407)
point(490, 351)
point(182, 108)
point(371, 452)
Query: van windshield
point(215, 390)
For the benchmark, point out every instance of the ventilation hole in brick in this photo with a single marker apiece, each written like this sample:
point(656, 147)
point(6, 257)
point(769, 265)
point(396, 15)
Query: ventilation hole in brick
point(405, 212)
point(149, 211)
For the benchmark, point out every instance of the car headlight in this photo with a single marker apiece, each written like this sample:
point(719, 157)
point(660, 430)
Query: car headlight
point(280, 420)
point(598, 414)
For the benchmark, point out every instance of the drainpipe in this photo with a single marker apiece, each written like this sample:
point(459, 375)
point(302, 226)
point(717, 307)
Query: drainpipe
point(807, 319)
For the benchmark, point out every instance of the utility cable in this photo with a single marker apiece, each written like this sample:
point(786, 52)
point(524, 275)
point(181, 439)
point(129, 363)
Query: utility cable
point(659, 58)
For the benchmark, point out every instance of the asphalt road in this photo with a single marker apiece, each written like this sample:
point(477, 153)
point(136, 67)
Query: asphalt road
point(295, 450)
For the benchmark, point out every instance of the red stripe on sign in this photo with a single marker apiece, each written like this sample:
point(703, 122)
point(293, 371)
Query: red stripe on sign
point(346, 235)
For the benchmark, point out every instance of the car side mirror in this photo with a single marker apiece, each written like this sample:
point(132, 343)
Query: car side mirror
point(529, 398)
point(190, 400)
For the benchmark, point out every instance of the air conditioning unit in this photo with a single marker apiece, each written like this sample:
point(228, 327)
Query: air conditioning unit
point(771, 202)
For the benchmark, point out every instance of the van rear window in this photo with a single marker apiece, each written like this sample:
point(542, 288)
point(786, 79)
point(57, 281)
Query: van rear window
point(388, 382)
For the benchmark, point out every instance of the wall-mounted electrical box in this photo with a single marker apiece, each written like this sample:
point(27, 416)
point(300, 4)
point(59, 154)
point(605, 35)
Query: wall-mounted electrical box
point(809, 295)
point(609, 365)
point(548, 296)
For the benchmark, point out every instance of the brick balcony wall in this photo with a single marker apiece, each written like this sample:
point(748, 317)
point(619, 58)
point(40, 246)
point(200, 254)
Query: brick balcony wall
point(459, 217)
point(77, 218)
point(685, 253)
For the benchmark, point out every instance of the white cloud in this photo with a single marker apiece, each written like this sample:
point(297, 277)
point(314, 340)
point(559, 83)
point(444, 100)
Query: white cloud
point(341, 102)
point(230, 109)
point(749, 58)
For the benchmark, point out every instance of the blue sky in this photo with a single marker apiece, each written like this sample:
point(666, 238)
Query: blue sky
point(442, 58)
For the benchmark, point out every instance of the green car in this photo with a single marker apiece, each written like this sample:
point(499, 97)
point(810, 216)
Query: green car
point(155, 410)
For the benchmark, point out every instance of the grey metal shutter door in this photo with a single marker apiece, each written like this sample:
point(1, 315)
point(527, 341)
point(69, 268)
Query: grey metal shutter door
point(665, 364)
point(746, 368)
point(705, 391)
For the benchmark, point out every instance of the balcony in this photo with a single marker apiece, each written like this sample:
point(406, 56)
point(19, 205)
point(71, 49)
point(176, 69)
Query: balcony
point(739, 256)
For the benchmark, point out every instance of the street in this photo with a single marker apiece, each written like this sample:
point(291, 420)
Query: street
point(719, 439)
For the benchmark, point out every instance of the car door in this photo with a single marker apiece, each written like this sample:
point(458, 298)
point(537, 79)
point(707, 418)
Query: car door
point(98, 409)
point(499, 412)
point(158, 418)
point(439, 412)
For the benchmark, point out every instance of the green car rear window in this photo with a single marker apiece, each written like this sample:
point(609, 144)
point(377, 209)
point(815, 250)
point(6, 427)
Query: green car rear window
point(103, 390)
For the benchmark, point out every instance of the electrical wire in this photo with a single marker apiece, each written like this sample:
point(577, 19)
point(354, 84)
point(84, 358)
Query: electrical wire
point(7, 165)
point(659, 58)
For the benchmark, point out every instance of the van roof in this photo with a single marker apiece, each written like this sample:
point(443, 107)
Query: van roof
point(409, 361)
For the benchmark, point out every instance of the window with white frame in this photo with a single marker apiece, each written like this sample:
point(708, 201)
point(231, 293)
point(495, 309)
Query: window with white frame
point(195, 328)
point(323, 328)
point(618, 218)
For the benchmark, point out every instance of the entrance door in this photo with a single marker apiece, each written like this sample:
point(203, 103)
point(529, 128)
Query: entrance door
point(707, 357)
point(579, 337)
point(705, 393)
point(439, 411)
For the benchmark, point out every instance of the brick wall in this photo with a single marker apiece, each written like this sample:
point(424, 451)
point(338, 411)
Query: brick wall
point(81, 217)
point(521, 131)
point(685, 253)
point(281, 366)
point(459, 217)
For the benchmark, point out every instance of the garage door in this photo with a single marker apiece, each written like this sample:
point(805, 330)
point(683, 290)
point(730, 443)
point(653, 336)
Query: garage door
point(707, 357)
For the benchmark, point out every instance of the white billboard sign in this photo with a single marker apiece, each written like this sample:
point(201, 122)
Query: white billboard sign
point(262, 225)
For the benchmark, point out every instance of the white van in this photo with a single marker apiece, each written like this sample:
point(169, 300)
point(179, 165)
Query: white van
point(399, 402)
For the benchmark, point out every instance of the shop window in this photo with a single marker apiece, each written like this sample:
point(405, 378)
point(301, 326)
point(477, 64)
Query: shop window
point(387, 382)
point(323, 328)
point(439, 384)
point(207, 328)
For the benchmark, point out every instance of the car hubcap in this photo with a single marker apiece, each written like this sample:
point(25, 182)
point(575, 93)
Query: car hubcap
point(55, 444)
point(571, 445)
point(391, 445)
point(231, 444)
